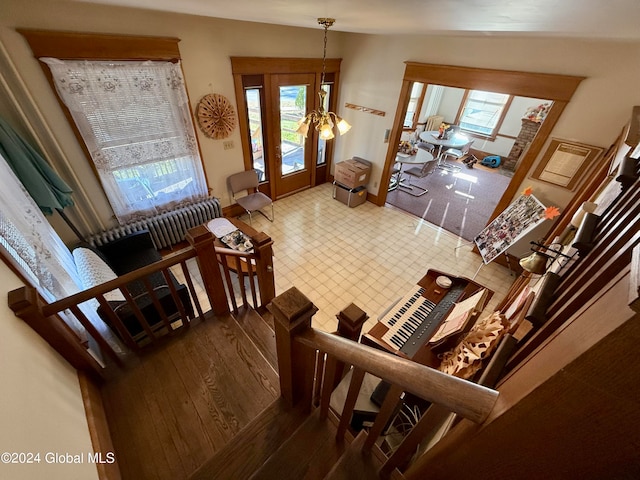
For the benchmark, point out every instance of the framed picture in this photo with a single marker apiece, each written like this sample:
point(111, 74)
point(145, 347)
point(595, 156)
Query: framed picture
point(565, 162)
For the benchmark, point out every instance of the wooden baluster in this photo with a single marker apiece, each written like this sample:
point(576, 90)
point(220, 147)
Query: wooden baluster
point(182, 309)
point(138, 313)
point(292, 313)
point(384, 415)
point(96, 334)
point(26, 304)
point(116, 322)
point(192, 290)
point(350, 402)
point(156, 303)
point(240, 275)
point(263, 250)
point(251, 277)
point(427, 426)
point(224, 261)
point(201, 239)
point(327, 387)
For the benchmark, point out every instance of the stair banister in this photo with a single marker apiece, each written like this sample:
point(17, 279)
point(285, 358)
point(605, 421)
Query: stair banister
point(296, 343)
point(465, 398)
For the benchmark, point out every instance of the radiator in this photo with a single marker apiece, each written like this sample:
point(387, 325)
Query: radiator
point(167, 228)
point(433, 122)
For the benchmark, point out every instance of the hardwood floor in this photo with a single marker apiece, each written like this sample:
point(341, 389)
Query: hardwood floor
point(178, 404)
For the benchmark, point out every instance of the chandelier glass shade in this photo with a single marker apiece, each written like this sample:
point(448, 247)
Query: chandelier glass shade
point(323, 120)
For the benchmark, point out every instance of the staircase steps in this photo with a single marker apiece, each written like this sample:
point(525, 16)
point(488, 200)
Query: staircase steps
point(260, 332)
point(253, 445)
point(358, 465)
point(308, 455)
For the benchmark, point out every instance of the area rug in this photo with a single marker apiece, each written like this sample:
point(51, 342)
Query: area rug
point(459, 202)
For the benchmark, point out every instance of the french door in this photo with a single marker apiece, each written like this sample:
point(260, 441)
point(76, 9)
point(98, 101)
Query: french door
point(292, 96)
point(272, 96)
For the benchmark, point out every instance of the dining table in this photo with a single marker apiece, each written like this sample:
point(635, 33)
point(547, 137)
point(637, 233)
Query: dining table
point(420, 158)
point(454, 141)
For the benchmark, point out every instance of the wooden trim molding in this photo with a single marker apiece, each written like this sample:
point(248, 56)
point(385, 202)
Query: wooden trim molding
point(77, 45)
point(92, 46)
point(523, 84)
point(559, 88)
point(269, 65)
point(98, 428)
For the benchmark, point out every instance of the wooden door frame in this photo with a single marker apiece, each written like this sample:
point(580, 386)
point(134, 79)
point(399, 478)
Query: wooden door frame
point(557, 88)
point(270, 65)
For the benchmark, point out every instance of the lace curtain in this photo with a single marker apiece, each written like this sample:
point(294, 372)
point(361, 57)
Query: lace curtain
point(38, 252)
point(135, 120)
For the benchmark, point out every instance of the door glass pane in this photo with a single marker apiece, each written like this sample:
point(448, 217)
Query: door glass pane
point(293, 101)
point(252, 96)
point(322, 144)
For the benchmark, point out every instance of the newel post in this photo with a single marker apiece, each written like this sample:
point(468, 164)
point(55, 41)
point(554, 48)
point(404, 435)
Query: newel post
point(350, 322)
point(27, 305)
point(201, 239)
point(292, 313)
point(263, 250)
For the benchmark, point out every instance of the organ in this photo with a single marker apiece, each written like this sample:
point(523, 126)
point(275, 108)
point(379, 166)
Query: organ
point(408, 325)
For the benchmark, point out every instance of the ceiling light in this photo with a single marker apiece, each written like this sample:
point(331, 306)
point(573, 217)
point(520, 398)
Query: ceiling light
point(323, 120)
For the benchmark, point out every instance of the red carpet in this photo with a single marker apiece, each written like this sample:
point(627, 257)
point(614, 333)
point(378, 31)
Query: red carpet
point(460, 203)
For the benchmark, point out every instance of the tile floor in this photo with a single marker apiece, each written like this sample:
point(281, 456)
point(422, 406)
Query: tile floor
point(367, 255)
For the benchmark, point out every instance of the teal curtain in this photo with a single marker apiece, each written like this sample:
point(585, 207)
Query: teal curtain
point(44, 185)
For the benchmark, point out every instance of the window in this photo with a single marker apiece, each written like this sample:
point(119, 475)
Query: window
point(483, 112)
point(415, 104)
point(34, 249)
point(135, 121)
point(253, 97)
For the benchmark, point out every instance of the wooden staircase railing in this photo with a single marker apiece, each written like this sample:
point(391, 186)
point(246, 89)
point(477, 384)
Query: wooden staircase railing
point(215, 266)
point(299, 347)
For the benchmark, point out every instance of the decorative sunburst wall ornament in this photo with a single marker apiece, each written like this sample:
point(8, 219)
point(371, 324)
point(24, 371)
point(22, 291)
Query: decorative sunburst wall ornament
point(216, 116)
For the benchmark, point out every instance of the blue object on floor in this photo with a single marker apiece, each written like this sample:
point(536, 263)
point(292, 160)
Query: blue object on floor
point(492, 161)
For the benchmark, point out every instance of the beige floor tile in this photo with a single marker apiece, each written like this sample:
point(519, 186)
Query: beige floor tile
point(367, 255)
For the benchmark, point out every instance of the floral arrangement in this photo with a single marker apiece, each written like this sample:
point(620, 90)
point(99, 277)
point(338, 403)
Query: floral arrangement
point(444, 129)
point(537, 114)
point(407, 147)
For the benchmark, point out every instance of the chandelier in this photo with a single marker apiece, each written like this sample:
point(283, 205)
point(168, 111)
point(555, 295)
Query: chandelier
point(323, 121)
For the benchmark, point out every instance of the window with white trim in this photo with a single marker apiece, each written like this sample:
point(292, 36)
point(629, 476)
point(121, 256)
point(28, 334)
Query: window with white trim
point(415, 103)
point(482, 112)
point(135, 120)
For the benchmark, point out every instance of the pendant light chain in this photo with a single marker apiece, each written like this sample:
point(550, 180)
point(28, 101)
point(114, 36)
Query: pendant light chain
point(323, 120)
point(326, 23)
point(324, 54)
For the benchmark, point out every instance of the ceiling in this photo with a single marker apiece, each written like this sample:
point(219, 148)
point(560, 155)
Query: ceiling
point(597, 19)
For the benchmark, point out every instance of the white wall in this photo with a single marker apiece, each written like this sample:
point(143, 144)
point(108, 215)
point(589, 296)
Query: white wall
point(371, 75)
point(205, 46)
point(373, 68)
point(41, 407)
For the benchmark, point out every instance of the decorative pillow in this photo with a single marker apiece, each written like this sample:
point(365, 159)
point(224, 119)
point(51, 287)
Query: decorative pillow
point(94, 271)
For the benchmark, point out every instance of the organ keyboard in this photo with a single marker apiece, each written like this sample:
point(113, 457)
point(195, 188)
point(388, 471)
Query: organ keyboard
point(409, 324)
point(406, 316)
